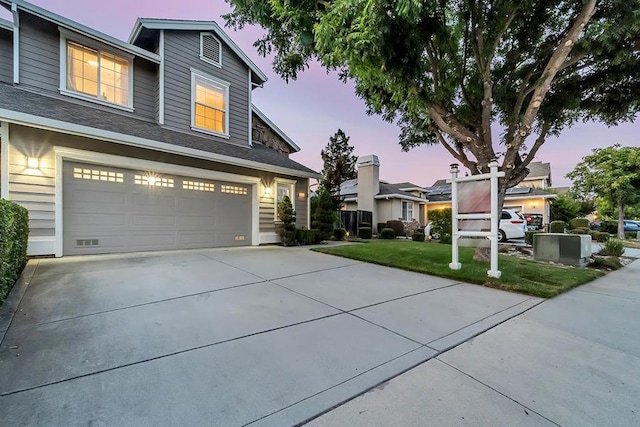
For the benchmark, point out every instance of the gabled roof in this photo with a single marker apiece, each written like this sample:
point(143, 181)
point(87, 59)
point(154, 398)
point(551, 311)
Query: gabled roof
point(349, 189)
point(7, 25)
point(28, 108)
point(275, 128)
point(82, 29)
point(177, 24)
point(443, 193)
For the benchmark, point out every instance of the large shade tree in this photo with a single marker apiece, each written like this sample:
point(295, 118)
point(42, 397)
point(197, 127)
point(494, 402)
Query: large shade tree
point(613, 174)
point(485, 79)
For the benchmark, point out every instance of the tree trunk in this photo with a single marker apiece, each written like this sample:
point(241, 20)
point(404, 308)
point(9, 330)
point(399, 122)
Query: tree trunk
point(620, 219)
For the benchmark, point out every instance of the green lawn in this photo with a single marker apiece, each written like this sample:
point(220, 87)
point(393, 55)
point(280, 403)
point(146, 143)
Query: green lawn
point(518, 275)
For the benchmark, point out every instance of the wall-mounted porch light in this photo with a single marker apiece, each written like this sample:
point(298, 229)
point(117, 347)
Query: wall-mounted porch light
point(33, 163)
point(268, 192)
point(302, 194)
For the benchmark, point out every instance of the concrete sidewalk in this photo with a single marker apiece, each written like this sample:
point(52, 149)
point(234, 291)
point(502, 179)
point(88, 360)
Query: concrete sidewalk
point(571, 361)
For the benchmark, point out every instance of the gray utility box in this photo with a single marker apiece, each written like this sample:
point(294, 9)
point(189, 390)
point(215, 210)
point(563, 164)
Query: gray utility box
point(571, 249)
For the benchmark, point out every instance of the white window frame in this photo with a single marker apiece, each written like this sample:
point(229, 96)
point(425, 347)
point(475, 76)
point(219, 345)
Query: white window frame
point(199, 74)
point(204, 58)
point(402, 202)
point(292, 188)
point(68, 36)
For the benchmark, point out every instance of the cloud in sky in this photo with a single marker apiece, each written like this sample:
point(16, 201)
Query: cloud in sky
point(312, 108)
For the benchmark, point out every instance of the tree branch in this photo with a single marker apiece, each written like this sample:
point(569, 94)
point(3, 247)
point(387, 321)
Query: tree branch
point(472, 166)
point(542, 87)
point(514, 177)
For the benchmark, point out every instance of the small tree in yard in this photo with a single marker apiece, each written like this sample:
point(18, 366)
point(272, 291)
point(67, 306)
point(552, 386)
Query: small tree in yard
point(286, 214)
point(613, 174)
point(324, 216)
point(339, 165)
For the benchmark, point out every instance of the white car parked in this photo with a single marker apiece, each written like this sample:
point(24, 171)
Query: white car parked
point(512, 225)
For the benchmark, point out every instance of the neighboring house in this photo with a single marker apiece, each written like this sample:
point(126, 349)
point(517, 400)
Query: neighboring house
point(532, 196)
point(149, 144)
point(403, 201)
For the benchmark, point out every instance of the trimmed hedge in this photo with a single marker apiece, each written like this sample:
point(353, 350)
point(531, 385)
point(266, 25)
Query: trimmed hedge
point(599, 236)
point(388, 233)
point(579, 230)
point(528, 236)
point(339, 233)
point(610, 227)
point(14, 235)
point(579, 223)
point(417, 237)
point(445, 238)
point(397, 226)
point(380, 226)
point(308, 237)
point(557, 227)
point(365, 232)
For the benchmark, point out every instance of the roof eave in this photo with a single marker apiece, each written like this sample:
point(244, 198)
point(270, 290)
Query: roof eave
point(275, 128)
point(31, 120)
point(399, 196)
point(84, 30)
point(7, 25)
point(184, 25)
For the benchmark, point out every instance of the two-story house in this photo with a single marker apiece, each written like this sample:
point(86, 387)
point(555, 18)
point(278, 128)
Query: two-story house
point(149, 144)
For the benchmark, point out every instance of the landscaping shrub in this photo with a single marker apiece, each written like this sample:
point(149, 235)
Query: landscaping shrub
point(287, 228)
point(609, 263)
point(324, 216)
point(14, 234)
point(579, 230)
point(365, 232)
point(417, 237)
point(440, 221)
point(339, 233)
point(599, 236)
point(397, 226)
point(528, 236)
point(579, 223)
point(387, 233)
point(610, 227)
point(630, 235)
point(445, 238)
point(380, 226)
point(307, 237)
point(613, 247)
point(557, 226)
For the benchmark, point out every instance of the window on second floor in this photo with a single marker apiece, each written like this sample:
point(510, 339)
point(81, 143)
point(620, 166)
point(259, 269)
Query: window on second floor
point(407, 210)
point(210, 104)
point(97, 75)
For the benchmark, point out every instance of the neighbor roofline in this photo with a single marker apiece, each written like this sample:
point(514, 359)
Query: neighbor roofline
point(413, 189)
point(82, 29)
point(399, 196)
point(31, 120)
point(508, 197)
point(273, 126)
point(185, 25)
point(7, 25)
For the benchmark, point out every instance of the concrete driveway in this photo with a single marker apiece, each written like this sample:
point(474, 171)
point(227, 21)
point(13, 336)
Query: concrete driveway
point(260, 336)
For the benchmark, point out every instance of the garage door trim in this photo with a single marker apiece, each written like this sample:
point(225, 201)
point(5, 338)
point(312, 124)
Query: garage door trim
point(64, 153)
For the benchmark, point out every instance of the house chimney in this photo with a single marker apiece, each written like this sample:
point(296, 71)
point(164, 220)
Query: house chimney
point(368, 183)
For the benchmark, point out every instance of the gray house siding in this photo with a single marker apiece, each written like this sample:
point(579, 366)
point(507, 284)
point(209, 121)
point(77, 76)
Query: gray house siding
point(300, 205)
point(6, 56)
point(182, 52)
point(145, 88)
point(39, 53)
point(40, 66)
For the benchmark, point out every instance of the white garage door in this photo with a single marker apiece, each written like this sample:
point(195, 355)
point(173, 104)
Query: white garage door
point(109, 210)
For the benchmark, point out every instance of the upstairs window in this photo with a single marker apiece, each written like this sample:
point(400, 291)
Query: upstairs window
point(98, 75)
point(210, 49)
point(210, 104)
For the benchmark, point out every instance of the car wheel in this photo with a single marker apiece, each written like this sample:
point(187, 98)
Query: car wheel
point(502, 237)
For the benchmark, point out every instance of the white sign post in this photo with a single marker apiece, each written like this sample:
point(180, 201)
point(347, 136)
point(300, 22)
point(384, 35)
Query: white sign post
point(493, 215)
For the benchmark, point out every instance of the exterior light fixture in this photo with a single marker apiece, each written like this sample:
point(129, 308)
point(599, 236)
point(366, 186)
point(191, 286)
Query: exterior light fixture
point(302, 194)
point(268, 192)
point(33, 163)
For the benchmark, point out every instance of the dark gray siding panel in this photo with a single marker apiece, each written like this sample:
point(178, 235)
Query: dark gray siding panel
point(182, 52)
point(6, 56)
point(145, 87)
point(39, 53)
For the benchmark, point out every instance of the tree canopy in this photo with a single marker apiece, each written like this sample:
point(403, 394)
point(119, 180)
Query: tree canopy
point(612, 174)
point(339, 165)
point(484, 78)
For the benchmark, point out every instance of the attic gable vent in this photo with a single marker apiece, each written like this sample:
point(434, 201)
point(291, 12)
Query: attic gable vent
point(210, 49)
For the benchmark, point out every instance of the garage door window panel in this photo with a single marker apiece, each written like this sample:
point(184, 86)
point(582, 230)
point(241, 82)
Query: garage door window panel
point(153, 181)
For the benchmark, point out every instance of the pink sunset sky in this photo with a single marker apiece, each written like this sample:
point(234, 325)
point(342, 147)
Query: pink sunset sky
point(312, 108)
